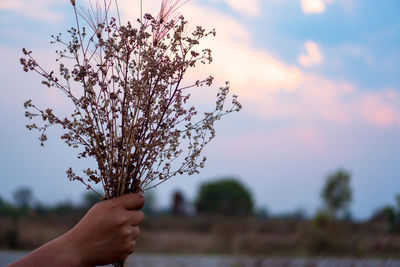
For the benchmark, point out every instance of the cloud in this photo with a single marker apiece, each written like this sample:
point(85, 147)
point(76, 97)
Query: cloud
point(380, 109)
point(248, 7)
point(271, 89)
point(313, 55)
point(251, 71)
point(233, 57)
point(34, 9)
point(314, 6)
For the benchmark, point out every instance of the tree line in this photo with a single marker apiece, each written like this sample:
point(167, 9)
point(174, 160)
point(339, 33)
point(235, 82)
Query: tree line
point(224, 197)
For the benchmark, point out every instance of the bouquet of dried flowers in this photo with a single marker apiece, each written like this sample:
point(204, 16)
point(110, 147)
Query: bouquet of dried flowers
point(131, 104)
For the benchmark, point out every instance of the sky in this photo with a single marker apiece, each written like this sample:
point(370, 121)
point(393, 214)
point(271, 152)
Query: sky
point(318, 79)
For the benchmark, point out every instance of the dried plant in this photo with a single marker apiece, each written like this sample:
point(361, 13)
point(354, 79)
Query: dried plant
point(131, 104)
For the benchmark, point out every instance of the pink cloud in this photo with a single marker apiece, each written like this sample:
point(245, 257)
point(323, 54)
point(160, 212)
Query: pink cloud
point(312, 56)
point(270, 88)
point(35, 9)
point(380, 109)
point(258, 144)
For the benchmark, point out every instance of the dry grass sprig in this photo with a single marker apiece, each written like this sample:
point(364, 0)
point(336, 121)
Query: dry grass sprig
point(132, 111)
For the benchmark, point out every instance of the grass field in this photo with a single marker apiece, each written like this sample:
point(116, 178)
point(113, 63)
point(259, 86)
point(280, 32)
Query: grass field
point(223, 236)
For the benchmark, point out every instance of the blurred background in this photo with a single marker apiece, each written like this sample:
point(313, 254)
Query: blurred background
point(222, 220)
point(308, 167)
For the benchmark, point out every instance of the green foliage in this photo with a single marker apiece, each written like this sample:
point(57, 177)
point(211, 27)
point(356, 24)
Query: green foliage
point(178, 204)
point(11, 238)
point(326, 234)
point(150, 205)
point(227, 197)
point(63, 208)
point(322, 241)
point(6, 209)
point(90, 199)
point(263, 213)
point(337, 193)
point(393, 216)
point(321, 220)
point(23, 197)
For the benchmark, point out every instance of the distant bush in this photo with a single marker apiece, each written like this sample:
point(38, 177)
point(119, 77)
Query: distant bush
point(321, 220)
point(23, 197)
point(63, 208)
point(337, 192)
point(226, 197)
point(90, 199)
point(393, 216)
point(6, 209)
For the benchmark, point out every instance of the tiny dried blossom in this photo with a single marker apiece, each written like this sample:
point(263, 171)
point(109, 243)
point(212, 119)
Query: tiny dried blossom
point(132, 112)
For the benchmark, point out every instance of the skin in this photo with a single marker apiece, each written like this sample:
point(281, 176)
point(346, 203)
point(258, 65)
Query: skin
point(106, 234)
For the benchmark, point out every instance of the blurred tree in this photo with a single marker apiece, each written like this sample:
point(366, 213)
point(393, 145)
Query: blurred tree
point(263, 212)
point(40, 209)
point(348, 216)
point(178, 204)
point(227, 197)
point(6, 209)
point(392, 214)
point(150, 204)
point(337, 193)
point(321, 219)
point(64, 207)
point(2, 202)
point(10, 233)
point(90, 199)
point(23, 197)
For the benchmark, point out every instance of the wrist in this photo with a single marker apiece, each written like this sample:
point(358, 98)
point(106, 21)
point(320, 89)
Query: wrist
point(59, 252)
point(71, 247)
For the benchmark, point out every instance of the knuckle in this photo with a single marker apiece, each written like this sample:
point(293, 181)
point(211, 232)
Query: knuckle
point(132, 247)
point(128, 231)
point(142, 201)
point(140, 216)
point(121, 220)
point(137, 217)
point(111, 204)
point(136, 231)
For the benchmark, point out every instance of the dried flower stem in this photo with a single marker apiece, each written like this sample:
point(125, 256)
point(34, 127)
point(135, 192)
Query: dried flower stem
point(132, 112)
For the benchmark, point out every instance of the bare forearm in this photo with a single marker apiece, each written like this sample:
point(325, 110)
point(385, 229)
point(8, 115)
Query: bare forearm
point(106, 234)
point(58, 252)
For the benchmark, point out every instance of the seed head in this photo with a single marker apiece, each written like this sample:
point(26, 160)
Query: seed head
point(73, 2)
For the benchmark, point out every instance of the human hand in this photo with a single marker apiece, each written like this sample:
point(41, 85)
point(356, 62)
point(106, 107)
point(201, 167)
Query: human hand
point(106, 234)
point(108, 231)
